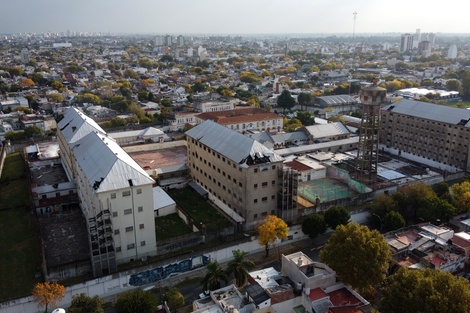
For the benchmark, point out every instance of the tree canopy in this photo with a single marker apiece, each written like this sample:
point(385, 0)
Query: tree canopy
point(48, 294)
point(314, 225)
point(273, 228)
point(336, 215)
point(461, 195)
point(393, 220)
point(285, 100)
point(136, 300)
point(423, 291)
point(174, 298)
point(82, 303)
point(214, 277)
point(239, 267)
point(358, 255)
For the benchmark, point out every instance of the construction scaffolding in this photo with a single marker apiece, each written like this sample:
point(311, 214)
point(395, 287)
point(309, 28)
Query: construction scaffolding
point(287, 194)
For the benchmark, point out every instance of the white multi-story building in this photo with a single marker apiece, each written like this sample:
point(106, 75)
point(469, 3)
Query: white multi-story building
point(406, 42)
point(115, 193)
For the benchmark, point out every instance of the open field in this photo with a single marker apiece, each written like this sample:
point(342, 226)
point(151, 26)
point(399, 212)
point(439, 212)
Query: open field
point(20, 254)
point(199, 208)
point(170, 226)
point(13, 183)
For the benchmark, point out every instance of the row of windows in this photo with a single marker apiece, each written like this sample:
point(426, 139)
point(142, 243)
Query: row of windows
point(264, 214)
point(265, 199)
point(126, 193)
point(130, 246)
point(264, 184)
point(129, 211)
point(129, 229)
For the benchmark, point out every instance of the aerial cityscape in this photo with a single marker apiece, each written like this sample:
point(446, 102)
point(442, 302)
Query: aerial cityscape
point(198, 156)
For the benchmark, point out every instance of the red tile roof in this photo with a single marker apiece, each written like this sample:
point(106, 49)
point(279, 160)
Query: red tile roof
point(343, 297)
point(298, 166)
point(316, 294)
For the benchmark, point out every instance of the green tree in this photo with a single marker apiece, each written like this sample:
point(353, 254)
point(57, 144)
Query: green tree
point(131, 74)
point(57, 85)
point(393, 220)
point(239, 267)
point(198, 87)
point(336, 215)
point(214, 277)
point(15, 71)
point(314, 225)
point(304, 99)
point(292, 124)
point(306, 118)
point(453, 84)
point(285, 100)
point(436, 210)
point(273, 228)
point(82, 303)
point(465, 79)
point(359, 256)
point(461, 195)
point(136, 300)
point(174, 298)
point(56, 97)
point(33, 131)
point(423, 291)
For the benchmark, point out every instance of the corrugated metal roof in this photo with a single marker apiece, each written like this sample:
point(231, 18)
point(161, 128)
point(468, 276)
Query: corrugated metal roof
point(338, 100)
point(229, 143)
point(147, 132)
point(327, 130)
point(106, 165)
point(161, 199)
point(76, 125)
point(431, 111)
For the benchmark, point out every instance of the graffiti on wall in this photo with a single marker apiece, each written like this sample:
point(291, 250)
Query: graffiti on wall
point(162, 272)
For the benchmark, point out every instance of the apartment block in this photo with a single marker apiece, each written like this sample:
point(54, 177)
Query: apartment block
point(436, 133)
point(114, 192)
point(237, 170)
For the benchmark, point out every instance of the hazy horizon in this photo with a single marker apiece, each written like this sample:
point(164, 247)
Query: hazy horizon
point(307, 17)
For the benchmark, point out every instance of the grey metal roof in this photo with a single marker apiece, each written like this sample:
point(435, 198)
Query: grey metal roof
point(76, 125)
point(106, 165)
point(431, 111)
point(231, 144)
point(282, 137)
point(327, 130)
point(257, 293)
point(337, 100)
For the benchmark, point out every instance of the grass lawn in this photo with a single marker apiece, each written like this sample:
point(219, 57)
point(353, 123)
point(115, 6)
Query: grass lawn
point(461, 104)
point(199, 208)
point(20, 257)
point(13, 184)
point(170, 226)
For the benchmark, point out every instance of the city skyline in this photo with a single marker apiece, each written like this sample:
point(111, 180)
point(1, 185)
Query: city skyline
point(230, 17)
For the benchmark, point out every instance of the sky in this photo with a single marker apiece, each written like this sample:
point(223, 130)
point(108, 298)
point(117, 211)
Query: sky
point(234, 16)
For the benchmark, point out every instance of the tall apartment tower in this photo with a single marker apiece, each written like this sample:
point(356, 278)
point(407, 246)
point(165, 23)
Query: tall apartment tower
point(180, 41)
point(416, 38)
point(368, 146)
point(406, 42)
point(452, 52)
point(24, 56)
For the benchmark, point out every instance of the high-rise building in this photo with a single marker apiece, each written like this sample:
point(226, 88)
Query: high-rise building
point(168, 40)
point(180, 41)
point(406, 42)
point(24, 56)
point(158, 41)
point(424, 48)
point(416, 38)
point(452, 52)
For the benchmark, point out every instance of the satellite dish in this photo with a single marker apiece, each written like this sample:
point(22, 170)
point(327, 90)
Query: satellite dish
point(59, 310)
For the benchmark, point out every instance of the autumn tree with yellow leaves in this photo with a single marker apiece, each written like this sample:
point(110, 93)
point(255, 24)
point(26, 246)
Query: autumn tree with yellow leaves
point(48, 293)
point(273, 228)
